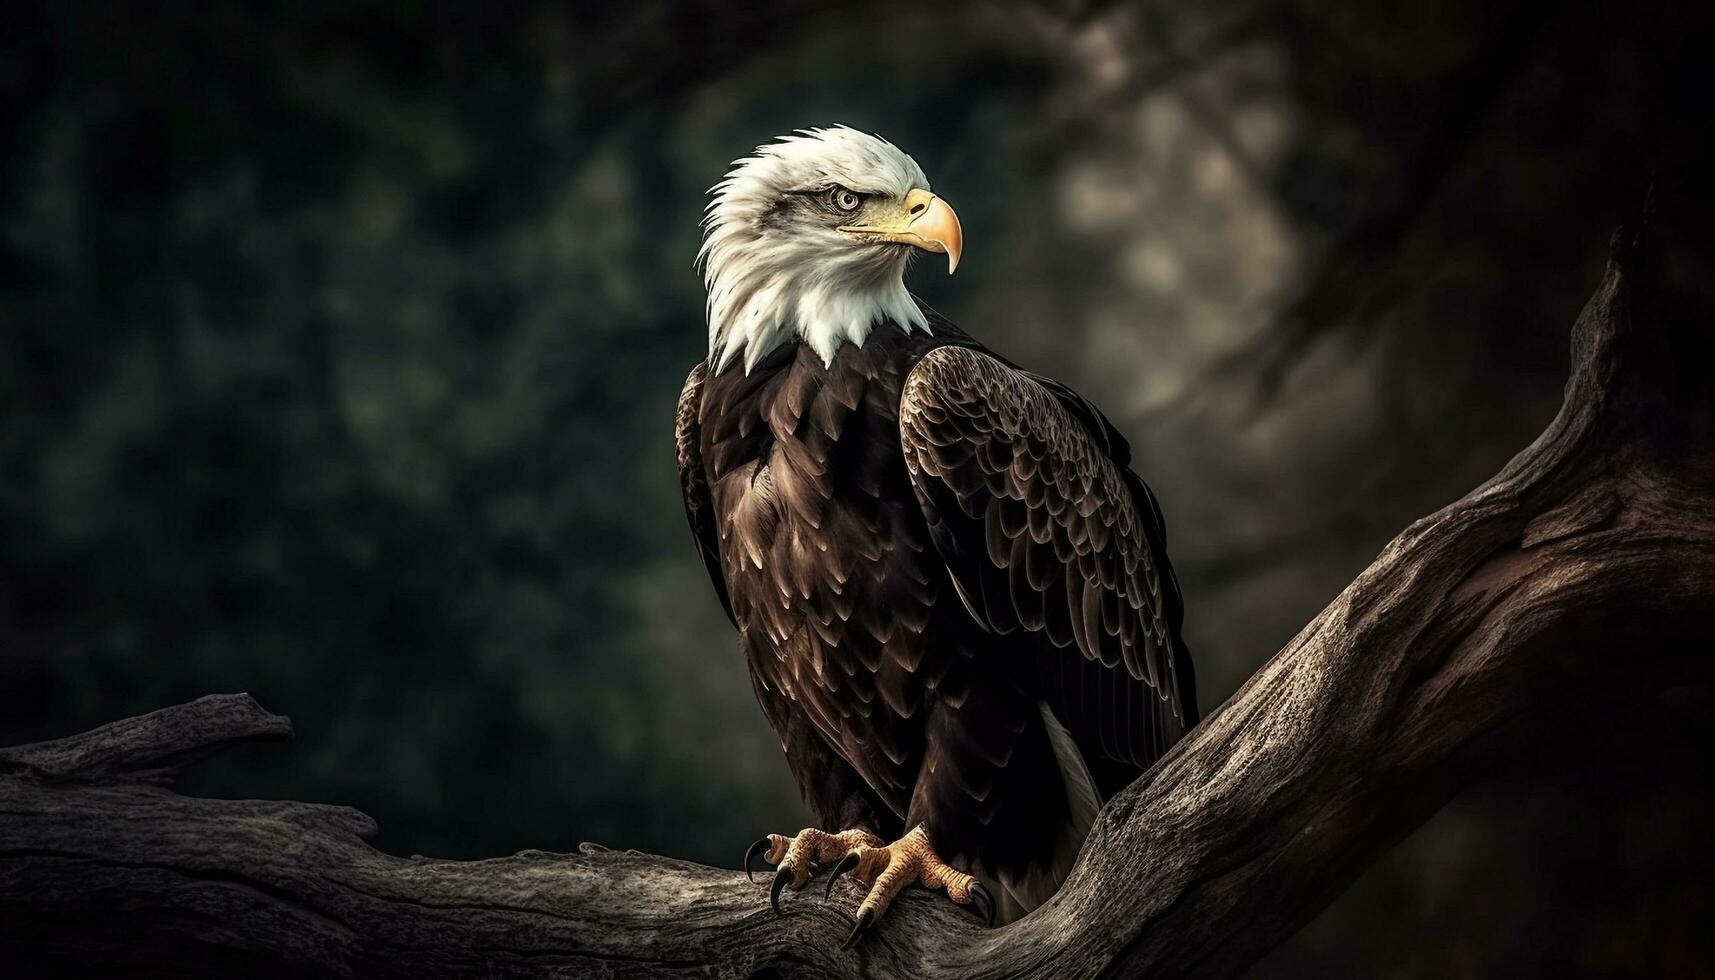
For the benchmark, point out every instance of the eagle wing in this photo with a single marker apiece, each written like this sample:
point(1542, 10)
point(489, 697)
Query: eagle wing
point(694, 482)
point(1052, 540)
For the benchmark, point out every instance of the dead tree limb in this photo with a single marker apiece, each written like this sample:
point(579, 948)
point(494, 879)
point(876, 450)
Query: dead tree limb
point(1579, 578)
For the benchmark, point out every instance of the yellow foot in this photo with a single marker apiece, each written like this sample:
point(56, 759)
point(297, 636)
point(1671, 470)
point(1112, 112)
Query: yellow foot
point(798, 856)
point(910, 860)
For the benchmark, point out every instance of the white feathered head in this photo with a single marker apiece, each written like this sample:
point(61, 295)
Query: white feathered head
point(809, 237)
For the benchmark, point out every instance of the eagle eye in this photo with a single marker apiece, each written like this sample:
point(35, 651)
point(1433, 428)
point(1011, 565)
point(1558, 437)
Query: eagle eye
point(845, 200)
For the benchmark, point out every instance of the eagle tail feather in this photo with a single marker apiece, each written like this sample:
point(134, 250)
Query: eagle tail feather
point(1017, 894)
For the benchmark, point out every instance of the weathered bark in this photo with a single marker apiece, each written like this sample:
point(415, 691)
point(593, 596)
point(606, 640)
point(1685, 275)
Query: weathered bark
point(1580, 578)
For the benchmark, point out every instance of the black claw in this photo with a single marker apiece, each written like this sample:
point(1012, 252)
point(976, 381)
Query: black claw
point(847, 863)
point(865, 919)
point(751, 864)
point(781, 877)
point(984, 902)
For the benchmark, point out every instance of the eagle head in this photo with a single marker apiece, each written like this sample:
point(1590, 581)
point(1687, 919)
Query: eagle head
point(809, 236)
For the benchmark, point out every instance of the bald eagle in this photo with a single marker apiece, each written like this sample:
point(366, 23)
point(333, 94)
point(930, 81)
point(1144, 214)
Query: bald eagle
point(952, 592)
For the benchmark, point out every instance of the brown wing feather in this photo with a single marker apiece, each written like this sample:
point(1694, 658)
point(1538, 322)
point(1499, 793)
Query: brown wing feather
point(1044, 531)
point(693, 481)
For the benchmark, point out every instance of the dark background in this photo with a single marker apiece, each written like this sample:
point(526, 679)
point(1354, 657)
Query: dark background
point(342, 339)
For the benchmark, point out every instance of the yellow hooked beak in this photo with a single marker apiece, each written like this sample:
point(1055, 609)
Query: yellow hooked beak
point(924, 221)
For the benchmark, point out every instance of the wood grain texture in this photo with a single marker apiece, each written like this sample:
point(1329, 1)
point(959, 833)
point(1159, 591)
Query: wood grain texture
point(1577, 583)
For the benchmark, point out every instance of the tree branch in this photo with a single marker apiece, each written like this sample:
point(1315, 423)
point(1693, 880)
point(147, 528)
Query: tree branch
point(1582, 575)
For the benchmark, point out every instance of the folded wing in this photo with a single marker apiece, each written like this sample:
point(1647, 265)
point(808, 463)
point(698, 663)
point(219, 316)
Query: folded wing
point(1054, 543)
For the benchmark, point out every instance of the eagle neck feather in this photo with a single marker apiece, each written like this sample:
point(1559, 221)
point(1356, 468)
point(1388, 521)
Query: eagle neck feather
point(753, 309)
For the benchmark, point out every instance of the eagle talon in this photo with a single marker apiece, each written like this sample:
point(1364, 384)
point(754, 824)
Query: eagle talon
point(865, 919)
point(984, 903)
point(846, 864)
point(803, 855)
point(781, 877)
point(910, 860)
point(756, 858)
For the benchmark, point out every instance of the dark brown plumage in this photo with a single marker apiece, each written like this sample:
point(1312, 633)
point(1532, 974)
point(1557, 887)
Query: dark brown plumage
point(922, 546)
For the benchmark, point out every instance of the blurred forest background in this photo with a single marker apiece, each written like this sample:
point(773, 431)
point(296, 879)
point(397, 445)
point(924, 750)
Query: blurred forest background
point(342, 342)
